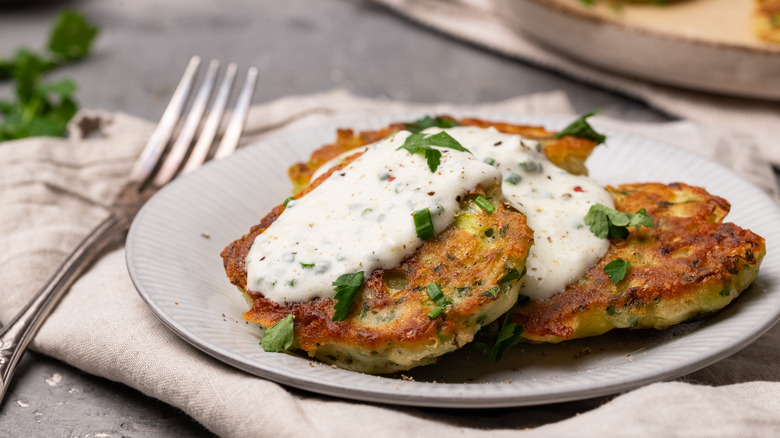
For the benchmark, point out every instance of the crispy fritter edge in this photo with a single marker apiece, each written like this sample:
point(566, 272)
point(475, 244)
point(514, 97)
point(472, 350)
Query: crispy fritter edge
point(568, 152)
point(688, 266)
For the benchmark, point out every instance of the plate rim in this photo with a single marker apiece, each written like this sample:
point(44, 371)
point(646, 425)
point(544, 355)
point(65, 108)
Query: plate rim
point(434, 400)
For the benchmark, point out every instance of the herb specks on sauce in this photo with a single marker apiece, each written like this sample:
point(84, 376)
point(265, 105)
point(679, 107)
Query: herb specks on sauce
point(360, 219)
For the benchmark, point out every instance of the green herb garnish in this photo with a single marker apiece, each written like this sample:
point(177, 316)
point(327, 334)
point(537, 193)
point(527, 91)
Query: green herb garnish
point(279, 336)
point(617, 269)
point(513, 178)
point(485, 204)
point(607, 222)
point(580, 128)
point(425, 144)
point(507, 337)
point(423, 224)
point(490, 161)
point(287, 201)
point(44, 108)
point(437, 296)
point(307, 265)
point(511, 275)
point(531, 166)
point(429, 122)
point(347, 287)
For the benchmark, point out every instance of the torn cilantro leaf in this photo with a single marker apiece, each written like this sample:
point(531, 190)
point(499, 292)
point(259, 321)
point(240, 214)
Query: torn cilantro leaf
point(279, 336)
point(423, 143)
point(429, 122)
point(608, 222)
point(582, 129)
point(347, 287)
point(617, 269)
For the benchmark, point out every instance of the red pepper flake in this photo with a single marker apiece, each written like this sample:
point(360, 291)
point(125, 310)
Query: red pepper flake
point(390, 179)
point(578, 189)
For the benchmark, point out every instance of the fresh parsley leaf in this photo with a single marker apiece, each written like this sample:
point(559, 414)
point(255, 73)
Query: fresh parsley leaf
point(508, 336)
point(71, 37)
point(607, 222)
point(347, 287)
point(580, 128)
point(423, 143)
point(279, 336)
point(617, 269)
point(429, 122)
point(44, 108)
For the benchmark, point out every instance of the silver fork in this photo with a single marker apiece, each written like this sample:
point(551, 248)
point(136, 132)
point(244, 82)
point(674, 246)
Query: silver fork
point(157, 165)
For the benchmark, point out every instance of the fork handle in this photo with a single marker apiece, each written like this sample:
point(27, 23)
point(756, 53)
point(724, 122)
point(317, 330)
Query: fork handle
point(17, 335)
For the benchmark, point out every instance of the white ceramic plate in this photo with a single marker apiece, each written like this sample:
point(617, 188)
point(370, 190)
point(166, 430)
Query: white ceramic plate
point(173, 257)
point(705, 45)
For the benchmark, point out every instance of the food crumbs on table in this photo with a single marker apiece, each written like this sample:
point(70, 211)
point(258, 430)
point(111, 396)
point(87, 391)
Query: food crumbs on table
point(407, 378)
point(206, 235)
point(584, 352)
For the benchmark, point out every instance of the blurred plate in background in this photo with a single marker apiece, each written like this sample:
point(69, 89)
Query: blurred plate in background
point(705, 45)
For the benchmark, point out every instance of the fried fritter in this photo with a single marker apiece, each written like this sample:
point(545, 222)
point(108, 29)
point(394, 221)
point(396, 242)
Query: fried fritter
point(568, 153)
point(766, 20)
point(687, 266)
point(476, 262)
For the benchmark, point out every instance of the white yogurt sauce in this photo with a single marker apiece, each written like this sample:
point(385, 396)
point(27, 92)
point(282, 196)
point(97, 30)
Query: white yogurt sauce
point(554, 201)
point(360, 219)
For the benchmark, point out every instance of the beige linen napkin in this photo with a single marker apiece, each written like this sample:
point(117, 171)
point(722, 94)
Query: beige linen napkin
point(478, 21)
point(52, 192)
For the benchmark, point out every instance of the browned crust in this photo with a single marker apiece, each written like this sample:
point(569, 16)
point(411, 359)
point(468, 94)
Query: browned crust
point(455, 259)
point(689, 251)
point(382, 318)
point(568, 152)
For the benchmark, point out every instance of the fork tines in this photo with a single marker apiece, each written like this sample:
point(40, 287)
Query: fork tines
point(185, 146)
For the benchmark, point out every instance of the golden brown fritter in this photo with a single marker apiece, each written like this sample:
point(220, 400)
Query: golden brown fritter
point(568, 153)
point(687, 266)
point(476, 262)
point(766, 20)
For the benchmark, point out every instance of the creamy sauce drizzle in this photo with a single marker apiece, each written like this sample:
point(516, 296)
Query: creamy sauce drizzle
point(554, 201)
point(359, 219)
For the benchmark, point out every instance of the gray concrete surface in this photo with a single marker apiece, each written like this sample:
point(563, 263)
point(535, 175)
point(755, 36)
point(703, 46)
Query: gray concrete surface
point(300, 46)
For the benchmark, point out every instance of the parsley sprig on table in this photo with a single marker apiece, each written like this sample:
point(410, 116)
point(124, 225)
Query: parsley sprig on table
point(43, 108)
